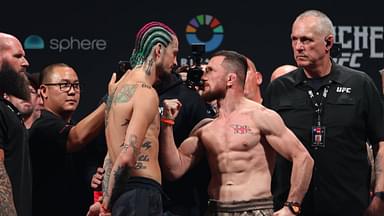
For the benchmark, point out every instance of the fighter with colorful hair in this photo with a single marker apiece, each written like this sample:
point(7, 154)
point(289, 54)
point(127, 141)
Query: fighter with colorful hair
point(132, 181)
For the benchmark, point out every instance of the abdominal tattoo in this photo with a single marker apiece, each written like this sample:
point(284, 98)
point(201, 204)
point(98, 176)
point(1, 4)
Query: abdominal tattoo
point(141, 158)
point(241, 129)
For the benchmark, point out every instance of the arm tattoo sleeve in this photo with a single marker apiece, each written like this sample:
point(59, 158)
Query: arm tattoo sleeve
point(378, 166)
point(120, 178)
point(108, 168)
point(7, 206)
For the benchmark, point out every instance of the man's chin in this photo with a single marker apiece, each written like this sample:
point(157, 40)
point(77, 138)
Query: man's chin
point(71, 108)
point(207, 97)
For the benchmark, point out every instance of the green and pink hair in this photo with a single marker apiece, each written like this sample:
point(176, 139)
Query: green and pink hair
point(148, 36)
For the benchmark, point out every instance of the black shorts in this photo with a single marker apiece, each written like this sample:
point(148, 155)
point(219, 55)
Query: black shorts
point(139, 197)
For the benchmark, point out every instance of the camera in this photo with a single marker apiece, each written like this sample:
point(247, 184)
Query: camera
point(194, 69)
point(123, 66)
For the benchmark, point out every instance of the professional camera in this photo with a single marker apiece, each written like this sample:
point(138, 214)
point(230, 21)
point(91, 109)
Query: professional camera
point(123, 66)
point(194, 69)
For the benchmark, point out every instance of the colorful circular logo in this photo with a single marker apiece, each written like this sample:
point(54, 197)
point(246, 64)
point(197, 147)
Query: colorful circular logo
point(211, 25)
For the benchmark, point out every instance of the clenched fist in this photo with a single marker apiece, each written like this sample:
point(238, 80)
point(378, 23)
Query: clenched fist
point(171, 108)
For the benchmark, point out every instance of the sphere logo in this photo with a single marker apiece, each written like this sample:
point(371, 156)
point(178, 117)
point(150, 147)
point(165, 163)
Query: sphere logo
point(205, 29)
point(34, 42)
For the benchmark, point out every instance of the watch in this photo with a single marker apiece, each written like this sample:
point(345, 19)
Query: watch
point(380, 194)
point(295, 207)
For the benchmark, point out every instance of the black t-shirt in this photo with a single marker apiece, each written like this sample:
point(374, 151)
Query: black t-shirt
point(53, 169)
point(352, 114)
point(14, 143)
point(188, 195)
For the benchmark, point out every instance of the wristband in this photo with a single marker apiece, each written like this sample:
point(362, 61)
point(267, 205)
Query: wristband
point(294, 207)
point(104, 209)
point(167, 121)
point(97, 195)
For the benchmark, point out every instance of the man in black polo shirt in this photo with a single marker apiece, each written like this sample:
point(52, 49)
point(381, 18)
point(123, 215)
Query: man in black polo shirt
point(15, 167)
point(53, 137)
point(333, 110)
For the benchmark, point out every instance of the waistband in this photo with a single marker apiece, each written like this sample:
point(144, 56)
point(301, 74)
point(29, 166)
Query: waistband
point(235, 206)
point(135, 182)
point(141, 182)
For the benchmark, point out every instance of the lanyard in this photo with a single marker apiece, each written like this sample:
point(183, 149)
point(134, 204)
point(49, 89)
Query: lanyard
point(319, 106)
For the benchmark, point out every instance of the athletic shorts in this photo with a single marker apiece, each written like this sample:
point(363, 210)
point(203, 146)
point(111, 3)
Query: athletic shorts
point(139, 197)
point(254, 207)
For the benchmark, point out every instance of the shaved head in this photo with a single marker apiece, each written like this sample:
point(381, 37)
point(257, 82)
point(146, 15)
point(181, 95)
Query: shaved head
point(281, 70)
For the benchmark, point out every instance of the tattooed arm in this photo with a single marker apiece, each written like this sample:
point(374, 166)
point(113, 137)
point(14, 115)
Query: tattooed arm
point(143, 113)
point(107, 173)
point(7, 207)
point(377, 205)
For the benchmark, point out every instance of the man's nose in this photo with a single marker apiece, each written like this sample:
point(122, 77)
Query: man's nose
point(25, 62)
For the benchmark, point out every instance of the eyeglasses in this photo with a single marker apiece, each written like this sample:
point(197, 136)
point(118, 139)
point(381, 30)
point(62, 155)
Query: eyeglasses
point(65, 86)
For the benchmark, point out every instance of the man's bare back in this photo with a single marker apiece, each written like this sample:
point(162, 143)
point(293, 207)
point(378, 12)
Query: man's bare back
point(241, 163)
point(119, 116)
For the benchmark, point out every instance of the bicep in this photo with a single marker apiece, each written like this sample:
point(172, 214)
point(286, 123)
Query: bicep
point(286, 144)
point(281, 138)
point(191, 149)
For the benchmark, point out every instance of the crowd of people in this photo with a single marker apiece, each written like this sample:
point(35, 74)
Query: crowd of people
point(222, 148)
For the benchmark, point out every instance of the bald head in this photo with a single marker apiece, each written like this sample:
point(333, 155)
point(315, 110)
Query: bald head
point(281, 70)
point(5, 40)
point(12, 55)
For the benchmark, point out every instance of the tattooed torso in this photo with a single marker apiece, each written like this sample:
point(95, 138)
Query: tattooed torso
point(119, 115)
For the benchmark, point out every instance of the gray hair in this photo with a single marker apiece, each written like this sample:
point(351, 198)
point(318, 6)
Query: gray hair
point(325, 24)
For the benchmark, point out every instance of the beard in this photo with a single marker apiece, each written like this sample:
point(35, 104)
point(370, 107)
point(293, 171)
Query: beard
point(212, 95)
point(164, 79)
point(26, 113)
point(13, 83)
point(163, 73)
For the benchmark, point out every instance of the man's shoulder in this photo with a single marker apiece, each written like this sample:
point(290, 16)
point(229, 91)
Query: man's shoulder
point(46, 122)
point(347, 73)
point(258, 110)
point(200, 125)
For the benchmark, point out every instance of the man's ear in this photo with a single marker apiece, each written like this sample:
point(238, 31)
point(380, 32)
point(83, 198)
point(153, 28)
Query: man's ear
point(329, 42)
point(231, 78)
point(5, 96)
point(259, 78)
point(43, 92)
point(158, 50)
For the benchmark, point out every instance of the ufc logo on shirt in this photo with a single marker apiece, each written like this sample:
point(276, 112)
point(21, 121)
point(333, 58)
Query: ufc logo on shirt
point(343, 90)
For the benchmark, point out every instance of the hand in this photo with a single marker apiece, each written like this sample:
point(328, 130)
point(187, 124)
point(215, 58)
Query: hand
point(104, 212)
point(94, 209)
point(112, 85)
point(375, 208)
point(171, 108)
point(97, 178)
point(283, 211)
